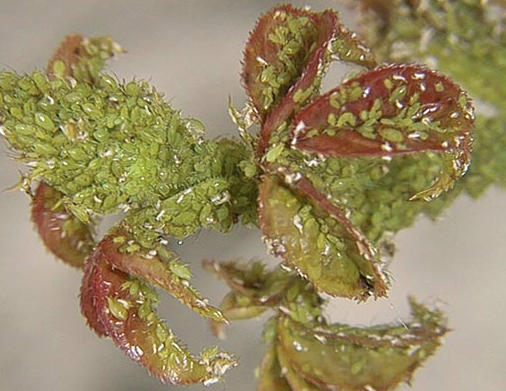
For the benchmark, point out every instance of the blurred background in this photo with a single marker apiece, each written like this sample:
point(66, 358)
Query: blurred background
point(191, 51)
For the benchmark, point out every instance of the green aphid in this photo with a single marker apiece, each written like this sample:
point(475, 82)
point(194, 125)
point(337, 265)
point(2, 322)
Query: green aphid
point(274, 153)
point(118, 308)
point(331, 119)
point(439, 87)
point(398, 94)
point(391, 134)
point(44, 121)
point(180, 270)
point(354, 93)
point(301, 95)
point(346, 119)
point(335, 100)
point(108, 146)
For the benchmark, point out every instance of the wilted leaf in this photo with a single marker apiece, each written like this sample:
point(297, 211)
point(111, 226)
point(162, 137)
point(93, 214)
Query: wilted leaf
point(68, 54)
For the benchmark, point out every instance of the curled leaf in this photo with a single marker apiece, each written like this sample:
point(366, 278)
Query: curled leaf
point(303, 90)
point(283, 43)
point(358, 359)
point(389, 111)
point(236, 307)
point(251, 279)
point(124, 306)
point(253, 290)
point(159, 267)
point(334, 257)
point(61, 232)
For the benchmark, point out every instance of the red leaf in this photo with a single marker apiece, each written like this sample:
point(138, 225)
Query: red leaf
point(62, 233)
point(87, 299)
point(391, 110)
point(156, 271)
point(129, 332)
point(281, 47)
point(121, 307)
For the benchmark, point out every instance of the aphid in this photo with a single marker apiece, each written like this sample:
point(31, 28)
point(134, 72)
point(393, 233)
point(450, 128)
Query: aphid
point(309, 179)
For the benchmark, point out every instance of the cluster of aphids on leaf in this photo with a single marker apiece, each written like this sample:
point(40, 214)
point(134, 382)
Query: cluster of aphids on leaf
point(324, 178)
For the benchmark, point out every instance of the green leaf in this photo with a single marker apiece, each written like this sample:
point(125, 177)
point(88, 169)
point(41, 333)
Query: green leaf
point(236, 307)
point(270, 374)
point(356, 359)
point(255, 289)
point(333, 256)
point(293, 378)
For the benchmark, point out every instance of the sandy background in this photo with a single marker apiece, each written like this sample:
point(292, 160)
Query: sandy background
point(191, 50)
